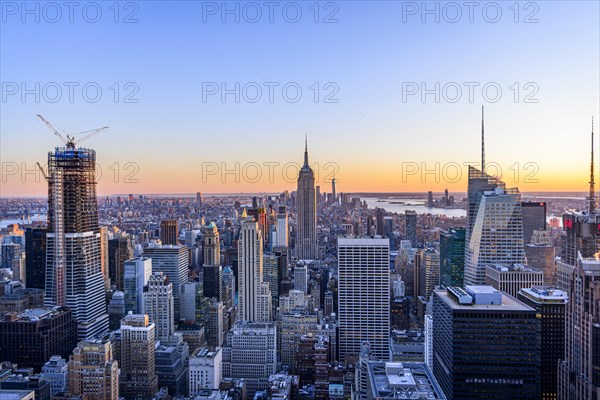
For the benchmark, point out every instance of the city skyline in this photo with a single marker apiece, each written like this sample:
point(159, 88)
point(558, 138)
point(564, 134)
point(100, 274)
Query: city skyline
point(162, 237)
point(368, 75)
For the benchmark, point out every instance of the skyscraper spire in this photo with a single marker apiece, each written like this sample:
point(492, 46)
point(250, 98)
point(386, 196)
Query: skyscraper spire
point(592, 198)
point(482, 143)
point(305, 150)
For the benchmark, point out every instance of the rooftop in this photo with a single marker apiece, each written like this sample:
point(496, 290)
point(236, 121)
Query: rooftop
point(545, 294)
point(394, 380)
point(506, 303)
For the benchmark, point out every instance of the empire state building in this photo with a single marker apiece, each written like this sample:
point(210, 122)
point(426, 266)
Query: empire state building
point(306, 239)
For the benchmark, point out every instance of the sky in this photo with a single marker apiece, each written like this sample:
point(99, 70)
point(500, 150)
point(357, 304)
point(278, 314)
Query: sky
point(218, 97)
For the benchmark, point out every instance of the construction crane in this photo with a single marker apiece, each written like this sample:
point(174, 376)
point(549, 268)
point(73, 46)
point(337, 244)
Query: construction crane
point(70, 141)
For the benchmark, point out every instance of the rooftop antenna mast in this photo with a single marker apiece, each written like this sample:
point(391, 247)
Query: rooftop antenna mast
point(592, 197)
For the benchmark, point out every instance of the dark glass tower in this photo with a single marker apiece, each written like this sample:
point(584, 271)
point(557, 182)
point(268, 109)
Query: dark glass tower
point(452, 257)
point(35, 257)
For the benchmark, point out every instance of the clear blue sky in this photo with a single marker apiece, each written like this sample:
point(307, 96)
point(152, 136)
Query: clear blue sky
point(368, 55)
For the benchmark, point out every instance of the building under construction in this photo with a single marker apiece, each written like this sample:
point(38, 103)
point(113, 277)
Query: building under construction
point(73, 268)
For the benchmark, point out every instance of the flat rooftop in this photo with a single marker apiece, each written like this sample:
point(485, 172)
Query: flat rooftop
point(546, 294)
point(406, 380)
point(508, 302)
point(354, 240)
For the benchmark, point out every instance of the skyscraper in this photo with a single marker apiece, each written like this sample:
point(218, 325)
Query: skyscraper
point(73, 271)
point(93, 371)
point(282, 228)
point(495, 233)
point(306, 238)
point(173, 262)
point(301, 278)
point(169, 232)
point(138, 368)
point(250, 352)
point(364, 295)
point(452, 257)
point(35, 257)
point(119, 251)
point(137, 271)
point(534, 218)
point(254, 294)
point(410, 224)
point(212, 245)
point(579, 371)
point(549, 304)
point(212, 269)
point(484, 345)
point(158, 305)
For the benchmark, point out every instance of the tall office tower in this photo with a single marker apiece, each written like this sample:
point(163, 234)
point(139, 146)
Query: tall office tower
point(158, 305)
point(301, 277)
point(198, 199)
point(379, 215)
point(56, 371)
point(293, 326)
point(136, 274)
point(541, 255)
point(212, 245)
point(229, 287)
point(119, 251)
point(579, 371)
point(214, 334)
point(169, 232)
point(104, 257)
point(271, 276)
point(484, 345)
point(549, 304)
point(388, 230)
point(73, 271)
point(138, 368)
point(410, 227)
point(512, 278)
point(306, 237)
point(430, 199)
point(205, 371)
point(333, 192)
point(496, 234)
point(452, 257)
point(116, 310)
point(194, 305)
point(312, 354)
point(213, 281)
point(534, 218)
point(10, 251)
point(173, 262)
point(364, 295)
point(282, 228)
point(212, 269)
point(429, 273)
point(371, 226)
point(250, 352)
point(260, 216)
point(31, 337)
point(93, 373)
point(254, 299)
point(35, 257)
point(170, 366)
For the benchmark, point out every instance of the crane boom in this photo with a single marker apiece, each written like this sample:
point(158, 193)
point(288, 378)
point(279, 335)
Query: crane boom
point(70, 141)
point(53, 129)
point(93, 133)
